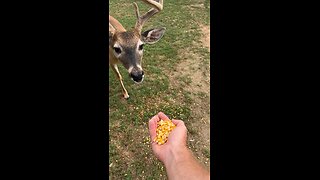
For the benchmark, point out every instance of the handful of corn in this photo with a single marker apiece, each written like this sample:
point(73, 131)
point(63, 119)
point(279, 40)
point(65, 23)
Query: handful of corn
point(164, 127)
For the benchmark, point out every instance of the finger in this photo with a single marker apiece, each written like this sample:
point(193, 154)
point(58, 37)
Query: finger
point(163, 116)
point(153, 126)
point(178, 122)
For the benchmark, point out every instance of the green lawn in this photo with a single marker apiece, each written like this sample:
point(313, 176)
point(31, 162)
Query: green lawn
point(166, 88)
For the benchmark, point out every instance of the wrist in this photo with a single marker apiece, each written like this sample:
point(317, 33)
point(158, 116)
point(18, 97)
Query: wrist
point(177, 156)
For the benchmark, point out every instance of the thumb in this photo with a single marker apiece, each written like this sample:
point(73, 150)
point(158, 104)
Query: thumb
point(153, 127)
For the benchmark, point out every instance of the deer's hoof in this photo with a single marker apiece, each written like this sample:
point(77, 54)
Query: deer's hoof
point(126, 96)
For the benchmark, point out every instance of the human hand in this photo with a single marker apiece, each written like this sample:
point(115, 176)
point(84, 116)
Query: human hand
point(177, 139)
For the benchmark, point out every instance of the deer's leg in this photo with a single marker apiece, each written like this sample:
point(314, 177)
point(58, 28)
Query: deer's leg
point(116, 70)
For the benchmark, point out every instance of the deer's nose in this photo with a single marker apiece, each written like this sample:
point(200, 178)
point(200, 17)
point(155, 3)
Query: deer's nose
point(137, 76)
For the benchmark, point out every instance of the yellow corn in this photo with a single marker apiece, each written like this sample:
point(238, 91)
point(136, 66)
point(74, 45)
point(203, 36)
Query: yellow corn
point(164, 127)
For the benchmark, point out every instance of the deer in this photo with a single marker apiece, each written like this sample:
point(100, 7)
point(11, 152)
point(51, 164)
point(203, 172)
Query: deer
point(126, 47)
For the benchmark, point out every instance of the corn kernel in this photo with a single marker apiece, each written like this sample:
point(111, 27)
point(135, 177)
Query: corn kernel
point(163, 130)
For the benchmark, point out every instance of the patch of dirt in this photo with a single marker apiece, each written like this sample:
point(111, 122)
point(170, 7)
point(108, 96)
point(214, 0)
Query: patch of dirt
point(205, 39)
point(192, 67)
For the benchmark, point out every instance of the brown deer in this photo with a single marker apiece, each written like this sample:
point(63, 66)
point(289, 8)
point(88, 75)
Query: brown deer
point(126, 47)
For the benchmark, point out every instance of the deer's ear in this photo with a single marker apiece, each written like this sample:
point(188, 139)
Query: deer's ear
point(152, 36)
point(112, 30)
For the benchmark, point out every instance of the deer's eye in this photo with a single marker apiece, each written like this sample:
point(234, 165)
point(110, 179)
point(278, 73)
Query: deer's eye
point(141, 47)
point(117, 50)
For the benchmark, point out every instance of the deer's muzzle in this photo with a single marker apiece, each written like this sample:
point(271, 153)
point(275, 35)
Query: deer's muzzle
point(137, 76)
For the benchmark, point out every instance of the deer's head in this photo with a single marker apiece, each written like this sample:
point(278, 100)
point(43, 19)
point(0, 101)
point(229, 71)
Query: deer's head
point(127, 46)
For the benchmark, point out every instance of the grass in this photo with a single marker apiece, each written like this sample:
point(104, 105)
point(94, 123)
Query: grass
point(130, 155)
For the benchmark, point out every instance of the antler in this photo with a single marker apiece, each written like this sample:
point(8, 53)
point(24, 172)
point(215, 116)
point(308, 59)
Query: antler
point(157, 6)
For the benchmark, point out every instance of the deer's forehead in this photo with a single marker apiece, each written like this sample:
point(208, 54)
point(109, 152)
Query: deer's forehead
point(128, 39)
